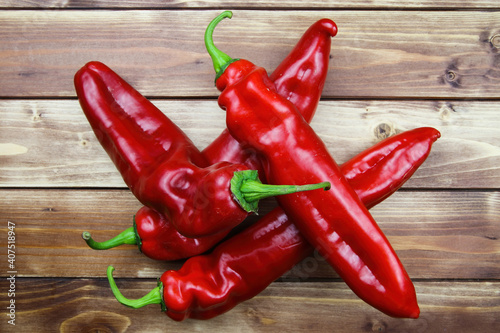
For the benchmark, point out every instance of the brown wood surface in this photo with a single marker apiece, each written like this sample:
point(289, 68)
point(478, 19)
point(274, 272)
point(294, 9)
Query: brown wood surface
point(298, 4)
point(376, 53)
point(52, 144)
point(87, 305)
point(457, 237)
point(394, 66)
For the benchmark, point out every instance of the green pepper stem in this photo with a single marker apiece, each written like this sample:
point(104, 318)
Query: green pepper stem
point(153, 297)
point(255, 190)
point(220, 59)
point(128, 236)
point(248, 189)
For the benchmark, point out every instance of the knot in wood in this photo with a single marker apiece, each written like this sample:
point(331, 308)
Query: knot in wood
point(379, 326)
point(383, 131)
point(451, 76)
point(445, 112)
point(495, 41)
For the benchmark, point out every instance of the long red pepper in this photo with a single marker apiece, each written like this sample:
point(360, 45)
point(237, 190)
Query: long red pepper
point(300, 78)
point(336, 222)
point(159, 163)
point(244, 265)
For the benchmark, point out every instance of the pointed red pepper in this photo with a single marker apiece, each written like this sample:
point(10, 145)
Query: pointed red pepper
point(245, 264)
point(161, 166)
point(335, 222)
point(300, 78)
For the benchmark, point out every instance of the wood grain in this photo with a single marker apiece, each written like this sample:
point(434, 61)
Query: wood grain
point(49, 143)
point(375, 54)
point(457, 236)
point(394, 66)
point(87, 305)
point(224, 4)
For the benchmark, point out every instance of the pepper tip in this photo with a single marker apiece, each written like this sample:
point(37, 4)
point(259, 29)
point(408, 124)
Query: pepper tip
point(329, 26)
point(437, 135)
point(414, 313)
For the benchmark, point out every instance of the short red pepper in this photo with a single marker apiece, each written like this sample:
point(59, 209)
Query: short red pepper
point(157, 238)
point(300, 78)
point(161, 165)
point(335, 222)
point(244, 265)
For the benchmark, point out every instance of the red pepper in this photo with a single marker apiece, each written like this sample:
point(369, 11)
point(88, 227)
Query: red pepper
point(159, 163)
point(136, 135)
point(157, 238)
point(335, 222)
point(244, 265)
point(300, 78)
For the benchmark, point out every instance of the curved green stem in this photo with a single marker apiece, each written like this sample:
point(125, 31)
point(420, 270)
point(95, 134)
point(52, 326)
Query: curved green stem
point(128, 236)
point(220, 59)
point(153, 297)
point(248, 189)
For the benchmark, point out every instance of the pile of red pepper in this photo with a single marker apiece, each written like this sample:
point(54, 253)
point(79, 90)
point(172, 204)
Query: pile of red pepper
point(193, 199)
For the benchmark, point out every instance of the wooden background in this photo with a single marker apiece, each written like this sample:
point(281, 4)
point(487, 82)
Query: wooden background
point(395, 65)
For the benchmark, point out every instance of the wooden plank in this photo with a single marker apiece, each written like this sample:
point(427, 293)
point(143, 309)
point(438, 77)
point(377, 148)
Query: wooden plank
point(69, 305)
point(436, 234)
point(49, 142)
point(296, 4)
point(395, 66)
point(437, 54)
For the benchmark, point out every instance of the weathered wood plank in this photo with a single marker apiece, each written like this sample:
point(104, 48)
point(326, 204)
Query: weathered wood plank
point(376, 53)
point(47, 152)
point(436, 234)
point(69, 305)
point(297, 4)
point(50, 143)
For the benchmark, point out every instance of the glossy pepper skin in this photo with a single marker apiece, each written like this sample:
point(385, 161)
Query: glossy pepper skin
point(300, 78)
point(160, 164)
point(157, 238)
point(335, 222)
point(244, 265)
